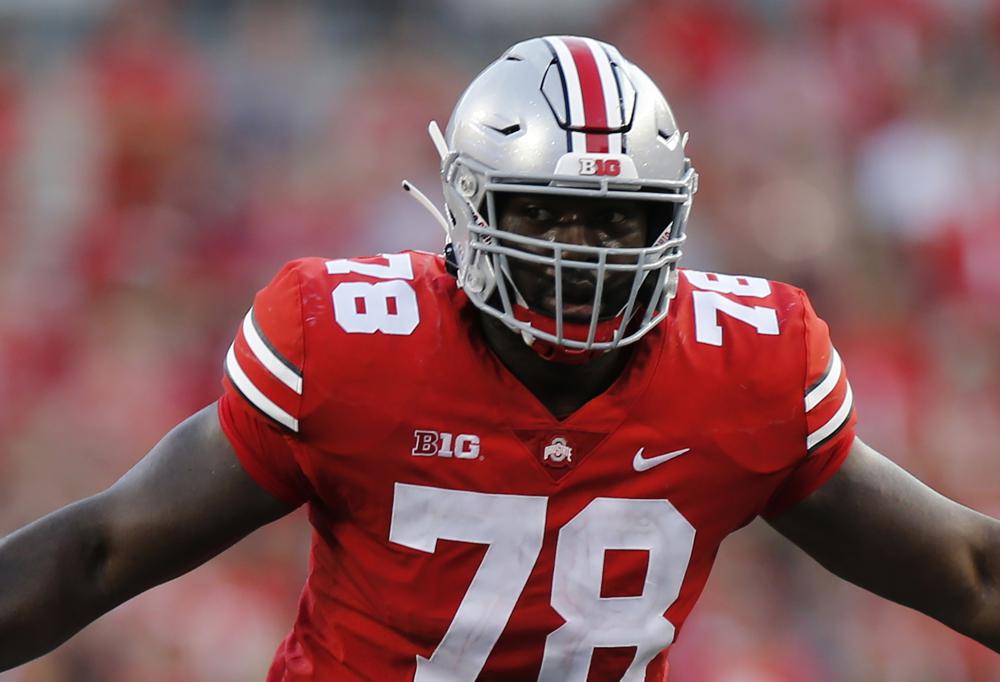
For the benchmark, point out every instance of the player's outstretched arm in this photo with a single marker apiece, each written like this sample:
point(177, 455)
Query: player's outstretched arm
point(183, 503)
point(879, 527)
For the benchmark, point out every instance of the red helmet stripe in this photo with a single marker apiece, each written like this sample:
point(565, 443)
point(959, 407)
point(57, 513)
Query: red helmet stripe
point(594, 107)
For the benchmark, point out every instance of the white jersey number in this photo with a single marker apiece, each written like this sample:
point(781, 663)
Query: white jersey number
point(712, 300)
point(389, 307)
point(512, 527)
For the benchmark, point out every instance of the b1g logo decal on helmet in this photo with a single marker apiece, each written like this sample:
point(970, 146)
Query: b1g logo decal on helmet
point(608, 167)
point(597, 166)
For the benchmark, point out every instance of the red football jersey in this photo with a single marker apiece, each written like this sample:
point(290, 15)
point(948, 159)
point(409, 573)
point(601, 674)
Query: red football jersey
point(461, 532)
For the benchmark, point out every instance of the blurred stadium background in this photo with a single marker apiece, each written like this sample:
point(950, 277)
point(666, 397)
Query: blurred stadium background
point(160, 160)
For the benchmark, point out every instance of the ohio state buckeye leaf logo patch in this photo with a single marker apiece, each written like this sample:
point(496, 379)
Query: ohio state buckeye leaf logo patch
point(559, 451)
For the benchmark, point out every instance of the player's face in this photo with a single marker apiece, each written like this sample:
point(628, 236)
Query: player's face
point(577, 221)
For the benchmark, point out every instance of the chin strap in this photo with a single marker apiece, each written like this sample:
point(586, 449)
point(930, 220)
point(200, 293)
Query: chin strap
point(576, 331)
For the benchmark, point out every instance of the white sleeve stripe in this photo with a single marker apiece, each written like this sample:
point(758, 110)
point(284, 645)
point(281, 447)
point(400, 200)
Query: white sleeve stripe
point(254, 395)
point(826, 386)
point(272, 363)
point(836, 421)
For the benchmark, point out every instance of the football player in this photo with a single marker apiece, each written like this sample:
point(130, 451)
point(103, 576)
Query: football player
point(519, 458)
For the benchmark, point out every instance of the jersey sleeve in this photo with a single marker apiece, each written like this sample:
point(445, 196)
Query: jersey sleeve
point(264, 364)
point(264, 450)
point(260, 410)
point(829, 416)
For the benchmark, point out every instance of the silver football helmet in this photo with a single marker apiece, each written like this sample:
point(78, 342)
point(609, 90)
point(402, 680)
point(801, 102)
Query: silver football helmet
point(564, 115)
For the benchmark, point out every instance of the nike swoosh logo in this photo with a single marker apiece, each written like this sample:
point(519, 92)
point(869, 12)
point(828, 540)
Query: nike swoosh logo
point(640, 463)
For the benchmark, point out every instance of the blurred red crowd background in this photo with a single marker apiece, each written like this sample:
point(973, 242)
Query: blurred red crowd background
point(160, 160)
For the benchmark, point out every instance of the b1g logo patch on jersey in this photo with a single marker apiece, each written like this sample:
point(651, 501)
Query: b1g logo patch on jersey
point(427, 443)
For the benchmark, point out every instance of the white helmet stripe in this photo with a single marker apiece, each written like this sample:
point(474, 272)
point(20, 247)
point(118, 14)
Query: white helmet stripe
point(575, 115)
point(625, 90)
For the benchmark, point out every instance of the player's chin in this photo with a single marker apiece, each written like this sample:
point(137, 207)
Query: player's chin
point(578, 297)
point(577, 311)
